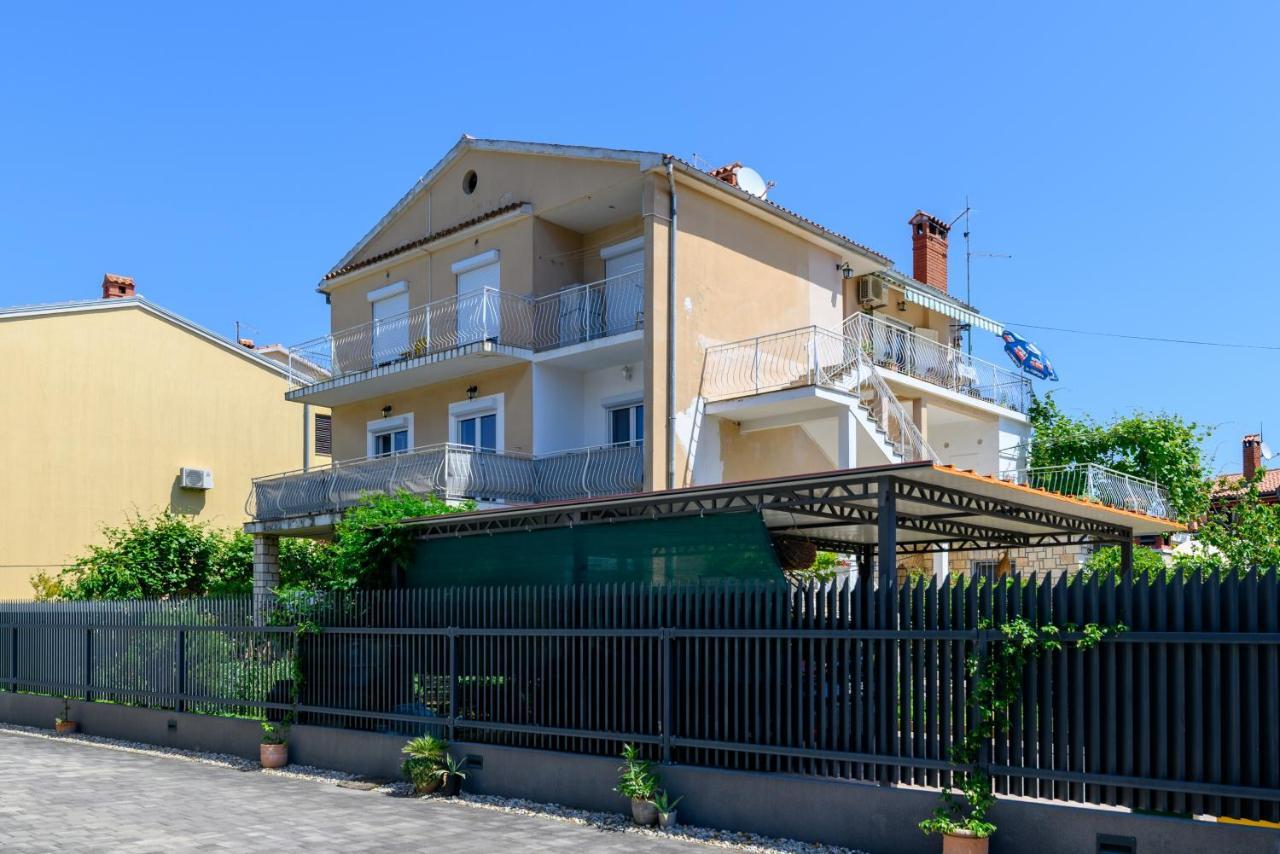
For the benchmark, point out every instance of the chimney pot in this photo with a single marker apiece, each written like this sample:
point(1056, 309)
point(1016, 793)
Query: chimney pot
point(1252, 448)
point(116, 287)
point(929, 250)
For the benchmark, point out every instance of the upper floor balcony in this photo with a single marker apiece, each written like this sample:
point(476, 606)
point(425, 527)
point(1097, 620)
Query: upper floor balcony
point(899, 350)
point(1100, 484)
point(447, 337)
point(452, 472)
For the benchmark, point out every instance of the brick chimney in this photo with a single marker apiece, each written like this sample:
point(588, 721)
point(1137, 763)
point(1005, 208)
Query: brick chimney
point(929, 250)
point(116, 287)
point(1252, 447)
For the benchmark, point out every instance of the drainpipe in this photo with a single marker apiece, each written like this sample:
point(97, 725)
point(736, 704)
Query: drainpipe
point(306, 437)
point(671, 326)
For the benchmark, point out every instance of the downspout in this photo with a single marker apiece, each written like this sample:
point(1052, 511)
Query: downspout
point(671, 325)
point(306, 437)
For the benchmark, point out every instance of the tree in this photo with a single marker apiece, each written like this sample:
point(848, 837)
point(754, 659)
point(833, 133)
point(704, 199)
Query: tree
point(1160, 447)
point(1242, 531)
point(169, 555)
point(369, 549)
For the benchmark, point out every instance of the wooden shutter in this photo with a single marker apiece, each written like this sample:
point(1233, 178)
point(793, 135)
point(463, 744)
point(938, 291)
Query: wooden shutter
point(324, 435)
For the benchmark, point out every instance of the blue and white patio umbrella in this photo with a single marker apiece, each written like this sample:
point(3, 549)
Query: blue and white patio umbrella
point(1028, 356)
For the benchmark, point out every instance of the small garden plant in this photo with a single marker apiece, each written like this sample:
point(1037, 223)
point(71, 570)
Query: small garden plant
point(637, 779)
point(997, 675)
point(275, 733)
point(427, 757)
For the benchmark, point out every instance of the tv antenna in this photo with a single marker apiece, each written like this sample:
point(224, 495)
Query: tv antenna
point(969, 255)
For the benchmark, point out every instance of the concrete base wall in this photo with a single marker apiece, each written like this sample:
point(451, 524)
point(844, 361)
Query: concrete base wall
point(873, 818)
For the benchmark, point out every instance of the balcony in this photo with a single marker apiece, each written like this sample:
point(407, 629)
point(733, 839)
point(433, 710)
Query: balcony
point(913, 355)
point(489, 322)
point(1098, 483)
point(452, 472)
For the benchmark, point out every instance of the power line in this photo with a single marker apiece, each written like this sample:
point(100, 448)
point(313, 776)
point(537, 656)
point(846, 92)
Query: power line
point(1151, 338)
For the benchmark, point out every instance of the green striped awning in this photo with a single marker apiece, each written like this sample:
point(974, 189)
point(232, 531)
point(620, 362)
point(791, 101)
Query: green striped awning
point(945, 306)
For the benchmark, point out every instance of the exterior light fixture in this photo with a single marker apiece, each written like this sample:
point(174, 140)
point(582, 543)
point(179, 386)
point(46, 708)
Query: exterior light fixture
point(902, 305)
point(846, 272)
point(626, 372)
point(471, 392)
point(386, 410)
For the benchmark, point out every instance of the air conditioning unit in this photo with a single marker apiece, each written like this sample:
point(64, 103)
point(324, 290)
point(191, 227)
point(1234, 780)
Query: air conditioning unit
point(197, 478)
point(871, 292)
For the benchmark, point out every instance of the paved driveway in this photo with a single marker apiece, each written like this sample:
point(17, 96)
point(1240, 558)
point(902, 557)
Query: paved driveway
point(64, 796)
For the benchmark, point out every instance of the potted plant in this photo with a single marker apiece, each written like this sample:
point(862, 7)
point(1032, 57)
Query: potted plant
point(666, 809)
point(964, 834)
point(64, 724)
point(427, 755)
point(273, 752)
point(451, 776)
point(638, 782)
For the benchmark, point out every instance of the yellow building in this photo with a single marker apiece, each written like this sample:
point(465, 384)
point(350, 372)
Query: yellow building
point(106, 404)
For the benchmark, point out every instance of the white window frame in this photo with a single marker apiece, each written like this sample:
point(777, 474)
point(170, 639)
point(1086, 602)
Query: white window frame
point(475, 262)
point(383, 426)
point(624, 401)
point(626, 247)
point(392, 290)
point(492, 404)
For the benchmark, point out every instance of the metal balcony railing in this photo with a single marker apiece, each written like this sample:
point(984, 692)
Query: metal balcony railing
point(914, 355)
point(574, 315)
point(1098, 483)
point(811, 356)
point(452, 472)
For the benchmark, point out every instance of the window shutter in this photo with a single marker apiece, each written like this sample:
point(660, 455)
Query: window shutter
point(324, 435)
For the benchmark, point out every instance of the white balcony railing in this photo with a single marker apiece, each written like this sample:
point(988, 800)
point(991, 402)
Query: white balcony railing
point(574, 315)
point(914, 355)
point(811, 356)
point(1098, 483)
point(451, 472)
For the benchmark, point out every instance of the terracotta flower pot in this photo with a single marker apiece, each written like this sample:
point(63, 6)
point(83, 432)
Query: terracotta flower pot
point(273, 755)
point(643, 812)
point(964, 842)
point(429, 787)
point(64, 727)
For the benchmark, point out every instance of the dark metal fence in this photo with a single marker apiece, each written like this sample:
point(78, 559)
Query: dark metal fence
point(1180, 713)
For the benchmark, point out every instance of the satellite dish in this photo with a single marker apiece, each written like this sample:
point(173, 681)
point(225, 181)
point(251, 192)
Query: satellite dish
point(750, 180)
point(1266, 451)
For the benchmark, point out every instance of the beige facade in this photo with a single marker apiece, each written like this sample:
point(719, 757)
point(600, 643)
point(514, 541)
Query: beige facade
point(103, 403)
point(544, 222)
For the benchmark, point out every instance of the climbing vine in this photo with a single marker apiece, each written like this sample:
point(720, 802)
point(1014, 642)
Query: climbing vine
point(996, 669)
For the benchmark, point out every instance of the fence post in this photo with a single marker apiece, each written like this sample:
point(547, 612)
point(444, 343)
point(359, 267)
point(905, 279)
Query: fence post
point(452, 634)
point(181, 705)
point(982, 764)
point(13, 660)
point(88, 664)
point(664, 640)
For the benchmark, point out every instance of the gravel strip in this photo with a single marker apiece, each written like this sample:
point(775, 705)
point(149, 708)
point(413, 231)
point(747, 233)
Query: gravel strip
point(604, 821)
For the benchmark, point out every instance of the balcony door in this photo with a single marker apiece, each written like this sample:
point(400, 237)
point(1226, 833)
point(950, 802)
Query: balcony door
point(622, 295)
point(390, 329)
point(476, 435)
point(478, 306)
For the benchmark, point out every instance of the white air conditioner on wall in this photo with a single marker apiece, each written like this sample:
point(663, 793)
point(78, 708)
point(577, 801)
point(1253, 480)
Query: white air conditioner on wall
point(197, 478)
point(871, 292)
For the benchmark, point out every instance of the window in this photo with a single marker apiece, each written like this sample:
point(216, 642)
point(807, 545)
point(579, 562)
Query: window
point(990, 569)
point(477, 423)
point(390, 340)
point(479, 308)
point(391, 442)
point(626, 425)
point(469, 182)
point(389, 436)
point(479, 432)
point(324, 435)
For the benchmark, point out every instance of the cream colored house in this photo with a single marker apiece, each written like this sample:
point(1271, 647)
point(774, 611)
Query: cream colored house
point(115, 406)
point(536, 322)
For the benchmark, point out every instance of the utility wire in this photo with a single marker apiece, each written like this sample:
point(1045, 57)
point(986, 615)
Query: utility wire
point(1151, 338)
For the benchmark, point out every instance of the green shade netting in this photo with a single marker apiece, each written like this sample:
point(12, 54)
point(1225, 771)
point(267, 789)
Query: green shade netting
point(685, 550)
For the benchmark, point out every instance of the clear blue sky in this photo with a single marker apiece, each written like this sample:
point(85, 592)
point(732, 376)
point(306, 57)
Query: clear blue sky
point(225, 156)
